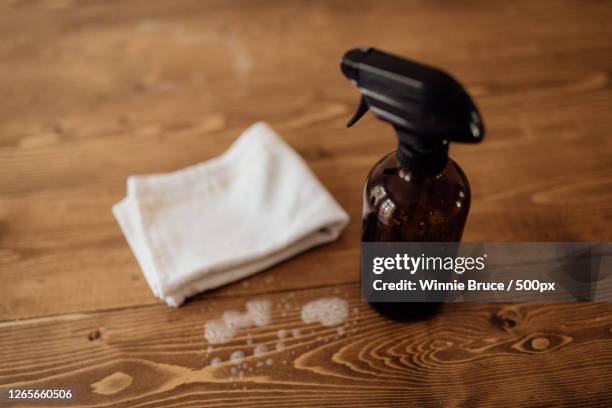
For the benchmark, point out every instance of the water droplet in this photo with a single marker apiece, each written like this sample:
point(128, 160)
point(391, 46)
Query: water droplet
point(237, 355)
point(260, 349)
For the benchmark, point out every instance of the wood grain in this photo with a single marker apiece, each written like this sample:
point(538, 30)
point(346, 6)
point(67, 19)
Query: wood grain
point(470, 354)
point(91, 92)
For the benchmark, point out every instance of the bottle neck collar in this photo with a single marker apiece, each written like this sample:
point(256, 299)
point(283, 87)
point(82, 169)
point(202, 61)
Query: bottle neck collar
point(422, 162)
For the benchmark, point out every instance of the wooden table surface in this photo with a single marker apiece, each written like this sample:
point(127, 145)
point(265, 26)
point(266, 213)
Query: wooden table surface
point(91, 92)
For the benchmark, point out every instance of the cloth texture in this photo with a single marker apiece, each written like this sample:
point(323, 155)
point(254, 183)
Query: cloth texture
point(227, 218)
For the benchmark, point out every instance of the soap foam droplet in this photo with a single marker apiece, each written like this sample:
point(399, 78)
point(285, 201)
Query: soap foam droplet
point(259, 363)
point(237, 355)
point(269, 362)
point(329, 311)
point(260, 312)
point(280, 346)
point(233, 370)
point(340, 331)
point(215, 361)
point(282, 333)
point(296, 332)
point(220, 331)
point(260, 349)
point(217, 332)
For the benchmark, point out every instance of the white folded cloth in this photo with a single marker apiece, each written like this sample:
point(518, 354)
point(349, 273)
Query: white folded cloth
point(227, 218)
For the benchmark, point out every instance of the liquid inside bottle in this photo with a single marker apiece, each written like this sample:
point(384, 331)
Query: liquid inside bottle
point(400, 205)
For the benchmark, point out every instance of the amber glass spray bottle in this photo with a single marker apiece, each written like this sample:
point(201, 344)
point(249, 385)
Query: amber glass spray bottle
point(416, 193)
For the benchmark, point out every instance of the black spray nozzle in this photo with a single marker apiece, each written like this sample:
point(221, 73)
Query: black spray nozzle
point(425, 105)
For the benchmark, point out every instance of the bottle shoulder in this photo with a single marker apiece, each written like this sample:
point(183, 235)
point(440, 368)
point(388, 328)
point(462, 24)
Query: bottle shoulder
point(398, 197)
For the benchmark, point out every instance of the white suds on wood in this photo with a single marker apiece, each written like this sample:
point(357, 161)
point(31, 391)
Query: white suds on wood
point(260, 349)
point(220, 331)
point(260, 312)
point(217, 332)
point(237, 355)
point(329, 311)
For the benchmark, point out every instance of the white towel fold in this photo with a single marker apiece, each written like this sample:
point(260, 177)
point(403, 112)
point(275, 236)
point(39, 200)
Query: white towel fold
point(225, 219)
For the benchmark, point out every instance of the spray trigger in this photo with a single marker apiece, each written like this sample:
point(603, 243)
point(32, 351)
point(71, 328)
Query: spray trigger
point(361, 110)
